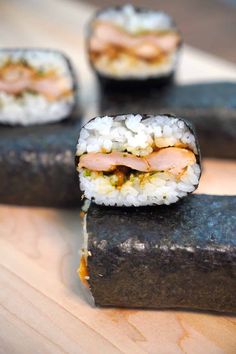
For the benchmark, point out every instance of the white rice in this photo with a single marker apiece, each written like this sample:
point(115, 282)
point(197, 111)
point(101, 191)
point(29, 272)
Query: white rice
point(123, 67)
point(134, 21)
point(161, 188)
point(129, 133)
point(34, 108)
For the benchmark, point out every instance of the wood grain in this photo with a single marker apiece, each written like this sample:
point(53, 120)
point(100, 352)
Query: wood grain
point(43, 307)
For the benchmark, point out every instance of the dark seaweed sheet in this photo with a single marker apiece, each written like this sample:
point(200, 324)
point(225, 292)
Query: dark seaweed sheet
point(37, 164)
point(108, 84)
point(183, 255)
point(211, 108)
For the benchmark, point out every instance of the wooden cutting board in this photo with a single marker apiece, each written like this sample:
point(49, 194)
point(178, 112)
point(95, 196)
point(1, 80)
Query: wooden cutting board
point(43, 307)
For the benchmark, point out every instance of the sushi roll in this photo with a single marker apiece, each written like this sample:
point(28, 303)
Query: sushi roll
point(129, 45)
point(135, 160)
point(180, 256)
point(36, 86)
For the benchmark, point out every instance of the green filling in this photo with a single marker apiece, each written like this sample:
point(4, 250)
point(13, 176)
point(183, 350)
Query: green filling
point(122, 175)
point(86, 172)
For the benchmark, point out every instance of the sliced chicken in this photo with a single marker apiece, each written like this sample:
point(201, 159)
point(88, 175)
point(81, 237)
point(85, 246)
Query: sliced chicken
point(106, 34)
point(99, 161)
point(16, 78)
point(52, 87)
point(172, 159)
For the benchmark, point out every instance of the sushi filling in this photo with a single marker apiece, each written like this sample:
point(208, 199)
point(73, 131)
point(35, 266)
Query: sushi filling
point(127, 43)
point(17, 78)
point(83, 269)
point(35, 86)
point(151, 161)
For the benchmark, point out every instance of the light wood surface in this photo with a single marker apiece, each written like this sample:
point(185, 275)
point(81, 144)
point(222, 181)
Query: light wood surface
point(43, 307)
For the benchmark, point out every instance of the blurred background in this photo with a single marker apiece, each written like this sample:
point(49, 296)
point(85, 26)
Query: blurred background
point(208, 28)
point(209, 25)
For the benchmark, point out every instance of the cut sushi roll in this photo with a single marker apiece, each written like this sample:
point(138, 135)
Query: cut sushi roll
point(181, 256)
point(36, 86)
point(132, 44)
point(134, 160)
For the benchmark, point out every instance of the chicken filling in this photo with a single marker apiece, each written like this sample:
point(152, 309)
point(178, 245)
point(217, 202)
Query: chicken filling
point(111, 43)
point(122, 166)
point(19, 77)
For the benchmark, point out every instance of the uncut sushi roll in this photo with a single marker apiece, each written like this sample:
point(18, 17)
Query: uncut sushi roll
point(36, 86)
point(129, 45)
point(135, 160)
point(180, 256)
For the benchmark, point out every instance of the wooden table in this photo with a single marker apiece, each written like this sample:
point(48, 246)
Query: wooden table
point(43, 307)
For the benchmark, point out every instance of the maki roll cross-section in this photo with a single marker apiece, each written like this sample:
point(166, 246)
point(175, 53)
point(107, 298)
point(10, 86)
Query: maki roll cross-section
point(36, 86)
point(128, 45)
point(136, 160)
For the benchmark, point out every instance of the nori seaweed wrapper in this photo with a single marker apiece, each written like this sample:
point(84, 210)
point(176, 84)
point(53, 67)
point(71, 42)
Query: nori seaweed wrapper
point(178, 256)
point(211, 108)
point(37, 164)
point(108, 83)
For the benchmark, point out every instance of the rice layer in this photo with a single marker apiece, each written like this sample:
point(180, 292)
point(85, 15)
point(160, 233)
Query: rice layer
point(133, 134)
point(129, 133)
point(152, 189)
point(125, 67)
point(32, 109)
point(134, 21)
